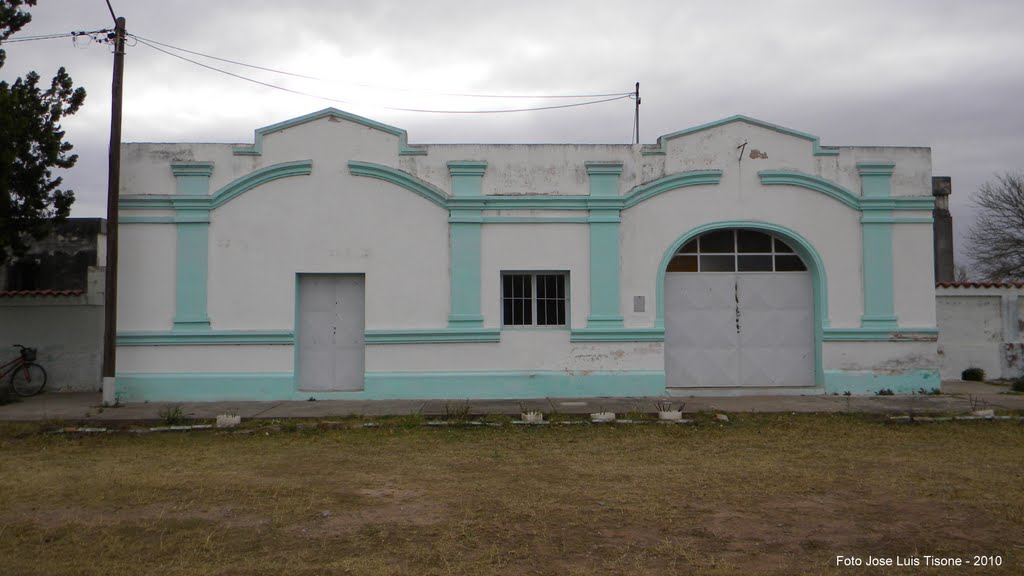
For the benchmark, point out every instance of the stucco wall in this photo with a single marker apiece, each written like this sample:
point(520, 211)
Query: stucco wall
point(329, 220)
point(979, 327)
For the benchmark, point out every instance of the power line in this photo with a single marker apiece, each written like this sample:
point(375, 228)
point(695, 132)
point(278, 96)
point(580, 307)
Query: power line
point(458, 94)
point(398, 109)
point(141, 39)
point(55, 36)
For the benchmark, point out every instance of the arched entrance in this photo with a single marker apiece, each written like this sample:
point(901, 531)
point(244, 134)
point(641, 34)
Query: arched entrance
point(739, 311)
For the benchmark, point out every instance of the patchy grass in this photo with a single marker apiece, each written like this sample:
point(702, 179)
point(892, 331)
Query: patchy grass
point(765, 494)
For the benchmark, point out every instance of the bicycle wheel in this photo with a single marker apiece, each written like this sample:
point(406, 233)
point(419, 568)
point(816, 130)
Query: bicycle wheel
point(28, 379)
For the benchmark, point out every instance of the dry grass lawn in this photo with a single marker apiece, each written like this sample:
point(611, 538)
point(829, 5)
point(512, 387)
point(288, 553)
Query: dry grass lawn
point(766, 494)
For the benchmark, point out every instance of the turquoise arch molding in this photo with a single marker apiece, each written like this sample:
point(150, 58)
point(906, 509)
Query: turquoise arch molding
point(659, 148)
point(403, 138)
point(829, 188)
point(496, 202)
point(800, 245)
point(222, 196)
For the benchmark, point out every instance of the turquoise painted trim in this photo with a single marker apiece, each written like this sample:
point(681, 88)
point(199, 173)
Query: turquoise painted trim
point(898, 203)
point(878, 276)
point(869, 382)
point(514, 384)
point(401, 179)
point(880, 335)
point(192, 178)
point(191, 276)
point(617, 335)
point(604, 247)
point(223, 195)
point(145, 202)
point(611, 168)
point(811, 182)
point(259, 177)
point(256, 149)
point(873, 219)
point(192, 168)
point(875, 180)
point(604, 275)
point(800, 245)
point(604, 178)
point(816, 147)
point(432, 336)
point(662, 185)
point(205, 387)
point(521, 220)
point(877, 203)
point(529, 202)
point(877, 250)
point(146, 220)
point(465, 236)
point(465, 276)
point(210, 387)
point(205, 338)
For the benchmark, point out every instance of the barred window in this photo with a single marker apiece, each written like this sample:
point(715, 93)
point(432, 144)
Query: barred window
point(534, 299)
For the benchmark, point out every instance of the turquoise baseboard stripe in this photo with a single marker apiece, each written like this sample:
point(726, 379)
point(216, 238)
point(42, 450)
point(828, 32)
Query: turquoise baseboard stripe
point(513, 384)
point(210, 387)
point(870, 382)
point(205, 387)
point(890, 334)
point(205, 337)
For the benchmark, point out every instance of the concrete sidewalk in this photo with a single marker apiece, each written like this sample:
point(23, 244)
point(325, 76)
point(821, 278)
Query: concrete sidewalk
point(86, 407)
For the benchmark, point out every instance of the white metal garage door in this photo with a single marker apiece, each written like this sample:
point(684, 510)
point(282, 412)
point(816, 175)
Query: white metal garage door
point(738, 327)
point(331, 322)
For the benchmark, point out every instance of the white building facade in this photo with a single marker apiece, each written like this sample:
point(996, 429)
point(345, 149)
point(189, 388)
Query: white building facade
point(332, 259)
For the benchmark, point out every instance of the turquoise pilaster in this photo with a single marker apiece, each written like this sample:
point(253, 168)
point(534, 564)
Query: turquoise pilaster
point(192, 218)
point(604, 247)
point(465, 222)
point(876, 242)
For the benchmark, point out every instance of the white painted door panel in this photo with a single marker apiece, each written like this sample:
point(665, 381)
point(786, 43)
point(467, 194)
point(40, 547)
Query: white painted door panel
point(329, 335)
point(736, 329)
point(775, 321)
point(700, 330)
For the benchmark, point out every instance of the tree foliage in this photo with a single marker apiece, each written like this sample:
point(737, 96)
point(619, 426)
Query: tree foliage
point(32, 145)
point(996, 240)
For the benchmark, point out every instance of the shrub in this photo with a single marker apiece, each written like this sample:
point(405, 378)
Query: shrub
point(973, 374)
point(1018, 385)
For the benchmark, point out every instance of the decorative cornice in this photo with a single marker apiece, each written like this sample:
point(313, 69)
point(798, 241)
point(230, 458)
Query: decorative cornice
point(192, 168)
point(603, 168)
point(432, 336)
point(875, 168)
point(817, 183)
point(660, 147)
point(681, 180)
point(257, 147)
point(467, 168)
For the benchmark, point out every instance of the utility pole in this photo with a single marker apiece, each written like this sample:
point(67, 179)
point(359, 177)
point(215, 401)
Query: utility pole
point(113, 184)
point(636, 118)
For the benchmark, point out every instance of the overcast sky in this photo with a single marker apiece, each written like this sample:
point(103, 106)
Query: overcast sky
point(944, 74)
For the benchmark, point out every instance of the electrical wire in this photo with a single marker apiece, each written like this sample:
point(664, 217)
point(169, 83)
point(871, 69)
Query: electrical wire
point(54, 36)
point(398, 109)
point(458, 94)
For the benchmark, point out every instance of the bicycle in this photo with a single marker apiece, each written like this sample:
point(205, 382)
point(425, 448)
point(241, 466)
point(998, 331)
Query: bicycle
point(27, 377)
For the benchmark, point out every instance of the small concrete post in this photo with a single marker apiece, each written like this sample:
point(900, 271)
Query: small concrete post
point(942, 230)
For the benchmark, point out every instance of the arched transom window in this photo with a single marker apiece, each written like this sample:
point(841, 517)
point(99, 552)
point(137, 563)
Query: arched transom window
point(736, 251)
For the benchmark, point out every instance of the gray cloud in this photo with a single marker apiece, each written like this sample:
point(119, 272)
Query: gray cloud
point(943, 74)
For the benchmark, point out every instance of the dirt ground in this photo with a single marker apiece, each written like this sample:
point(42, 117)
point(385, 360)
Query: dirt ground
point(767, 494)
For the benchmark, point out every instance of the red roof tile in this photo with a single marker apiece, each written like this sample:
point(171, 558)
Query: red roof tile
point(980, 285)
